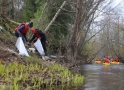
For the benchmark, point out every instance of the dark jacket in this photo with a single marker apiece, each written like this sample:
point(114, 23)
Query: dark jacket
point(38, 34)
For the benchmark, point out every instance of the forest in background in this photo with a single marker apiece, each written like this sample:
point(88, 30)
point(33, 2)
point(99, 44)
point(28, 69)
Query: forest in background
point(80, 31)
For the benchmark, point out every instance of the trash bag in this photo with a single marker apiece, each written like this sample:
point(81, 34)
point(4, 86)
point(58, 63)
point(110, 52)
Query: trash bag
point(21, 47)
point(39, 47)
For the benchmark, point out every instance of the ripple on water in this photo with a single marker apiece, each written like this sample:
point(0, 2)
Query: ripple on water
point(99, 77)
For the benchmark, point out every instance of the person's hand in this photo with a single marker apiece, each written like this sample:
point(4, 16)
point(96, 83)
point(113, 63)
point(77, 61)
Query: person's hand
point(28, 43)
point(20, 35)
point(39, 38)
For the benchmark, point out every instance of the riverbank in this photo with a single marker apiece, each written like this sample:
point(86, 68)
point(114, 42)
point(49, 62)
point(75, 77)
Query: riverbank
point(31, 73)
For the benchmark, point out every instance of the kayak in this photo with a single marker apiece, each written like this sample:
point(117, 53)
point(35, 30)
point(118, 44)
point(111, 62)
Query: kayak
point(106, 64)
point(115, 62)
point(97, 62)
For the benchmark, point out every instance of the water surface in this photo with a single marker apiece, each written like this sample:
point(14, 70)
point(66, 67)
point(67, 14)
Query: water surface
point(100, 77)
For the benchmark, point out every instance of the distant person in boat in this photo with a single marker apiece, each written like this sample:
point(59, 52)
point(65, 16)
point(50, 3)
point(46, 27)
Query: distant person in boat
point(98, 61)
point(22, 30)
point(116, 60)
point(112, 60)
point(106, 60)
point(39, 34)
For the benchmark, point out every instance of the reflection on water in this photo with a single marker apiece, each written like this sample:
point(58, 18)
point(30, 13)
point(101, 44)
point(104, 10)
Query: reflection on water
point(99, 77)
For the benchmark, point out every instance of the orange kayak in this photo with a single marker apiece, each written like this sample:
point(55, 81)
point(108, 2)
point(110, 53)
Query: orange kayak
point(98, 62)
point(106, 64)
point(115, 62)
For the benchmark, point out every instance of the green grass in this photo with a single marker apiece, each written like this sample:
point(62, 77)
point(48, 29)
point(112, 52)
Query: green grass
point(18, 76)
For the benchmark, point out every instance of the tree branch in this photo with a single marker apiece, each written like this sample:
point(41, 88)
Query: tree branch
point(63, 4)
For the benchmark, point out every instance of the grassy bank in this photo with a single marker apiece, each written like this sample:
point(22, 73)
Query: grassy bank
point(35, 74)
point(30, 73)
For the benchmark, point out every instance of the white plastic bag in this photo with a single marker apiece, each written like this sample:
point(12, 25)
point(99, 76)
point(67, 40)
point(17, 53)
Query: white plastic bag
point(20, 46)
point(39, 47)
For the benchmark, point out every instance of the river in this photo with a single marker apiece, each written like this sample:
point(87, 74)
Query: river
point(100, 77)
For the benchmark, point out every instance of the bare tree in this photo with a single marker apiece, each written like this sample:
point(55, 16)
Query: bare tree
point(85, 11)
point(63, 4)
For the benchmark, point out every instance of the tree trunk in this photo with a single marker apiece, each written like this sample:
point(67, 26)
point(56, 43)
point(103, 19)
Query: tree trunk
point(3, 7)
point(57, 13)
point(72, 45)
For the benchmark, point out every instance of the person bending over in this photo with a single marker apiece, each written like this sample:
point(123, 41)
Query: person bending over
point(39, 34)
point(22, 30)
